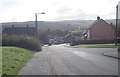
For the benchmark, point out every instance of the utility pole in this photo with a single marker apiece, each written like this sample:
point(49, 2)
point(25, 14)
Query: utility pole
point(116, 25)
point(36, 24)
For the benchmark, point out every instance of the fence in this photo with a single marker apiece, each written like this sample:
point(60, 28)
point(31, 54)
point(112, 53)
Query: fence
point(92, 42)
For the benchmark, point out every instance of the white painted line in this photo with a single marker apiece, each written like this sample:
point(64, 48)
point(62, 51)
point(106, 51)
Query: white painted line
point(80, 53)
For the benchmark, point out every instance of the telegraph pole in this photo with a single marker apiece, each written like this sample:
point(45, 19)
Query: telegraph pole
point(116, 25)
point(36, 24)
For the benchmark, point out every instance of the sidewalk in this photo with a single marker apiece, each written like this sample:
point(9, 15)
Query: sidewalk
point(112, 54)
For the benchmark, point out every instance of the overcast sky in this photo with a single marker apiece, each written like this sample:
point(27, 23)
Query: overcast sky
point(24, 10)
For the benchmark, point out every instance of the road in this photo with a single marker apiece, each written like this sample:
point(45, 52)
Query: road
point(65, 60)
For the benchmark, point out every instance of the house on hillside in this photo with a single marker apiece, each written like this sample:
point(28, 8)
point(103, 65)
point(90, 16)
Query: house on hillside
point(59, 40)
point(69, 38)
point(20, 30)
point(73, 36)
point(77, 35)
point(99, 30)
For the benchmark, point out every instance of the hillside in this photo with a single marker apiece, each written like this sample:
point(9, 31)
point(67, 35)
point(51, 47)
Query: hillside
point(55, 25)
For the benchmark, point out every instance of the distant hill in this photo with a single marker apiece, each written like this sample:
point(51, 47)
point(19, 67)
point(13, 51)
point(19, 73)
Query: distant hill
point(55, 25)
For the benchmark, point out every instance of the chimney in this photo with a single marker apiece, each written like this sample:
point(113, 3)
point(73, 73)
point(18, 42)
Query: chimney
point(111, 24)
point(98, 18)
point(27, 26)
point(13, 26)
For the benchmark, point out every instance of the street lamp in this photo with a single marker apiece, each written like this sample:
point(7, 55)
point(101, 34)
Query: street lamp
point(36, 21)
point(116, 25)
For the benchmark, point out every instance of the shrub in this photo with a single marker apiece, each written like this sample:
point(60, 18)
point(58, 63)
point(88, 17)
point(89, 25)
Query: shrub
point(21, 41)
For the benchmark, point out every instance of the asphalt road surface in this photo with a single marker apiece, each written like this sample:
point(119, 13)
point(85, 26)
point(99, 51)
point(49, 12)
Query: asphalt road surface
point(65, 60)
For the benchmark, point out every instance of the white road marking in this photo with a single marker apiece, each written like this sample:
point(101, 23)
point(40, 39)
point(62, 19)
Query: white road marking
point(86, 55)
point(42, 69)
point(80, 53)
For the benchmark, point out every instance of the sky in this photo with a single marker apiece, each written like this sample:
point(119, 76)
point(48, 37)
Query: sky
point(119, 10)
point(56, 10)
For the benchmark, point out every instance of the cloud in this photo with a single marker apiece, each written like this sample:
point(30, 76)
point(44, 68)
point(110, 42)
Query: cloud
point(64, 10)
point(23, 10)
point(8, 4)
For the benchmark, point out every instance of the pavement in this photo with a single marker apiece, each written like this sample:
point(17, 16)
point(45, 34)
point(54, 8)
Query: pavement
point(63, 60)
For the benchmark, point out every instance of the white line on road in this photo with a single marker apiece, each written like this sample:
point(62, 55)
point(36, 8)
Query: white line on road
point(80, 53)
point(87, 56)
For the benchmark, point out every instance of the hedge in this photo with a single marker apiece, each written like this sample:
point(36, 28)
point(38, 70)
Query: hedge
point(22, 41)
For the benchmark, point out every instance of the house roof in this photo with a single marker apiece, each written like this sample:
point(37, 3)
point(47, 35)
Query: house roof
point(69, 34)
point(100, 20)
point(19, 30)
point(75, 34)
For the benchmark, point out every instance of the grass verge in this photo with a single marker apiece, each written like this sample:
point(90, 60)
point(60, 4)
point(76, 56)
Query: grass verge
point(98, 45)
point(0, 61)
point(13, 59)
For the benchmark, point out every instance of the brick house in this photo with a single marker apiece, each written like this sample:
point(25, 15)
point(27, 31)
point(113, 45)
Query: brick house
point(99, 30)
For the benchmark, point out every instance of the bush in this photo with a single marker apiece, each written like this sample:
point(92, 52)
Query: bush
point(21, 41)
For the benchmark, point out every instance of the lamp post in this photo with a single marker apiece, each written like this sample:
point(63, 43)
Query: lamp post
point(36, 22)
point(116, 24)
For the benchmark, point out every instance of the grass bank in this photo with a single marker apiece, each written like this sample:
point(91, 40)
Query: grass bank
point(13, 59)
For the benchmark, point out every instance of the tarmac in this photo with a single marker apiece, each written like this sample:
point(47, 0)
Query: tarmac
point(112, 54)
point(109, 54)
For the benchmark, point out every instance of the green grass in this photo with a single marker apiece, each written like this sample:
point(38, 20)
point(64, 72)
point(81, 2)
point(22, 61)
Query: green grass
point(0, 61)
point(13, 59)
point(100, 45)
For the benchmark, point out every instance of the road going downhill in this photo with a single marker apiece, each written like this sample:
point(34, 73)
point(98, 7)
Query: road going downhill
point(63, 60)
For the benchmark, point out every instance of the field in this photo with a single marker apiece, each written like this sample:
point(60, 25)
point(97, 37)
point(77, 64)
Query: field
point(13, 59)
